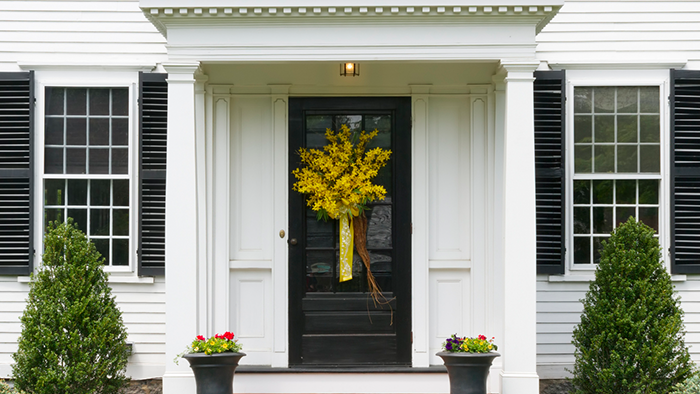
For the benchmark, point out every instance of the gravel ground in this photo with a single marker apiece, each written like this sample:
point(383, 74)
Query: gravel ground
point(148, 386)
point(555, 386)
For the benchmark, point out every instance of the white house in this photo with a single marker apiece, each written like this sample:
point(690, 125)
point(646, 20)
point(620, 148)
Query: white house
point(522, 131)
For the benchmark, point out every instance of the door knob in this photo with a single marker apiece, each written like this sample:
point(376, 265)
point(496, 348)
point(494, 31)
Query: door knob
point(292, 241)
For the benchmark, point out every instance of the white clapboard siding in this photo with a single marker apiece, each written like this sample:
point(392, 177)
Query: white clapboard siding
point(559, 310)
point(622, 32)
point(78, 32)
point(143, 312)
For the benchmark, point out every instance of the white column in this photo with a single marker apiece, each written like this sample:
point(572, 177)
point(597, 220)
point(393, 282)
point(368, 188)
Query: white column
point(519, 375)
point(181, 224)
point(204, 295)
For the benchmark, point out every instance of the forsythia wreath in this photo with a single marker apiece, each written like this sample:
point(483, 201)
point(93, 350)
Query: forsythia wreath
point(338, 183)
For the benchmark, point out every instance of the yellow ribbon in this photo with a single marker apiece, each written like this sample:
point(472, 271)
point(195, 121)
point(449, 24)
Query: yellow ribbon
point(346, 247)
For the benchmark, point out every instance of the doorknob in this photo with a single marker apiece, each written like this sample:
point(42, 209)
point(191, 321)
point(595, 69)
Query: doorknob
point(292, 241)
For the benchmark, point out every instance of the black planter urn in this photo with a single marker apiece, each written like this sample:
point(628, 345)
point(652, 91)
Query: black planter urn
point(468, 372)
point(214, 373)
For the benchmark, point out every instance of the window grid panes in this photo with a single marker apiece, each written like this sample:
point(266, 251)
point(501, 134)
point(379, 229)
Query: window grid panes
point(616, 130)
point(86, 146)
point(98, 207)
point(602, 205)
point(616, 135)
point(86, 131)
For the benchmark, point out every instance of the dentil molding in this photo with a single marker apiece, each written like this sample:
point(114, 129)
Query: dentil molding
point(160, 13)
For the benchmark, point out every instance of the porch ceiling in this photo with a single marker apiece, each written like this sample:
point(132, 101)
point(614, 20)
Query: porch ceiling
point(408, 30)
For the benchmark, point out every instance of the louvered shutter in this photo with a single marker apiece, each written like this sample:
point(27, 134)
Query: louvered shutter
point(549, 108)
point(685, 171)
point(16, 172)
point(153, 108)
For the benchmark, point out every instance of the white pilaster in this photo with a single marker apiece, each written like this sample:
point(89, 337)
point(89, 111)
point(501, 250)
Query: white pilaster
point(519, 373)
point(182, 236)
point(280, 273)
point(420, 208)
point(219, 126)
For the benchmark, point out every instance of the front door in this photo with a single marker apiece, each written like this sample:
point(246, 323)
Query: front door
point(333, 323)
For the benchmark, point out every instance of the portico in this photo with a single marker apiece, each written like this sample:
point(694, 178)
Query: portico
point(466, 71)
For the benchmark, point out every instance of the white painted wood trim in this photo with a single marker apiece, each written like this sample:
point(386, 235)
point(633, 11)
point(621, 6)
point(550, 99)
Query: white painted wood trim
point(221, 216)
point(519, 343)
point(204, 268)
point(478, 229)
point(181, 248)
point(420, 223)
point(280, 259)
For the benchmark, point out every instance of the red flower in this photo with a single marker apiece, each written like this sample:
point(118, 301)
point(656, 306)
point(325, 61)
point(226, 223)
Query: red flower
point(217, 336)
point(228, 335)
point(482, 337)
point(201, 338)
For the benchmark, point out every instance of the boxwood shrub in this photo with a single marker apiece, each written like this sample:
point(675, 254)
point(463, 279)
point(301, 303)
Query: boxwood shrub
point(631, 335)
point(73, 338)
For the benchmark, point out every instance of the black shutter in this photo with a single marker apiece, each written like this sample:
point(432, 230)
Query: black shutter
point(549, 170)
point(685, 171)
point(16, 172)
point(153, 111)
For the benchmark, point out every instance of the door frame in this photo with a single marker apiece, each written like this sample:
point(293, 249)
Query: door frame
point(402, 109)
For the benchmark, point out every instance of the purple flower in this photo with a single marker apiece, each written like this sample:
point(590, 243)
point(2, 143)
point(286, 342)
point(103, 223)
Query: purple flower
point(448, 346)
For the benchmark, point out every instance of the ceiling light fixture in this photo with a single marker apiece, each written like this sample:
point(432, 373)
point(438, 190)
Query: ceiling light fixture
point(349, 69)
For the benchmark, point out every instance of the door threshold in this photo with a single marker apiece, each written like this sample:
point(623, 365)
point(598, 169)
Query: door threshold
point(341, 369)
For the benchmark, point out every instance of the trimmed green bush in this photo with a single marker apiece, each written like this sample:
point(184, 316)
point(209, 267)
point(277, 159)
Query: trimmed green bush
point(630, 339)
point(73, 339)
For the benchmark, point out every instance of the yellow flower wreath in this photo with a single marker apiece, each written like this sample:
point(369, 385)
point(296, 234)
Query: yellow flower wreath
point(338, 179)
point(338, 182)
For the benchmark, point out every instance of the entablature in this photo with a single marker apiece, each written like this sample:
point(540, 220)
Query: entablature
point(250, 30)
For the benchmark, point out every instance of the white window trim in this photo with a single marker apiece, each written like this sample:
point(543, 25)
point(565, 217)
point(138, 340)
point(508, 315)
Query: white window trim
point(578, 78)
point(88, 79)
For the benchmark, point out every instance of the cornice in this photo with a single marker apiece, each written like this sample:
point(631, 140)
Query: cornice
point(161, 16)
point(87, 66)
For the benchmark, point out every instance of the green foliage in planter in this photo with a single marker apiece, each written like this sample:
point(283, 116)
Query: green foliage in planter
point(73, 338)
point(630, 339)
point(690, 386)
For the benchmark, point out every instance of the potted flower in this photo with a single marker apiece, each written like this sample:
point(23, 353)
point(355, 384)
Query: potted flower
point(468, 361)
point(213, 362)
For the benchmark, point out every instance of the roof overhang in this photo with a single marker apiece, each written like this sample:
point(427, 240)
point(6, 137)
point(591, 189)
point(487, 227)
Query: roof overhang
point(328, 30)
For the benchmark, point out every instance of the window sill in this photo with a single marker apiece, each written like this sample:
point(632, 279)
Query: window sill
point(112, 279)
point(581, 278)
point(573, 278)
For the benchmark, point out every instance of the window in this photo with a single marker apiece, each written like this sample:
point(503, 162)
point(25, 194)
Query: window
point(617, 164)
point(86, 171)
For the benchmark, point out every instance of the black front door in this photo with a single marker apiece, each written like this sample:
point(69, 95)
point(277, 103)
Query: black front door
point(337, 324)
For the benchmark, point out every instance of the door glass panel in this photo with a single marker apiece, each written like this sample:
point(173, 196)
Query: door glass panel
point(319, 271)
point(316, 126)
point(321, 242)
point(319, 233)
point(379, 227)
point(354, 122)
